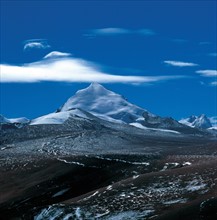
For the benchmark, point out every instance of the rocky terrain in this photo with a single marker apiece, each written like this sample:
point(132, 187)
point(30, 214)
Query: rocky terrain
point(85, 169)
point(78, 164)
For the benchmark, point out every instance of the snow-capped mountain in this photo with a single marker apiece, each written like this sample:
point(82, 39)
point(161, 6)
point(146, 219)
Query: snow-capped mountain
point(22, 120)
point(97, 101)
point(213, 121)
point(13, 122)
point(201, 121)
point(104, 104)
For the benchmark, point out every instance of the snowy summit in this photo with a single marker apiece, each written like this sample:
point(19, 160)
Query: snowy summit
point(201, 121)
point(103, 103)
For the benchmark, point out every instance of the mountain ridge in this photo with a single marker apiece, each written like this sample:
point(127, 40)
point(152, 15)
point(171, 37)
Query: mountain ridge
point(95, 101)
point(110, 106)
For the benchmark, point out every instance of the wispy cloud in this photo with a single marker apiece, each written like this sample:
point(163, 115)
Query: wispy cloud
point(69, 69)
point(110, 31)
point(179, 63)
point(56, 54)
point(119, 31)
point(207, 73)
point(213, 83)
point(35, 44)
point(213, 54)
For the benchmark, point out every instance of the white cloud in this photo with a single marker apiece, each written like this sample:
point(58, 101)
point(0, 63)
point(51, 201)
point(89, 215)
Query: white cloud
point(213, 83)
point(35, 44)
point(56, 54)
point(69, 70)
point(119, 31)
point(207, 73)
point(213, 54)
point(179, 63)
point(110, 31)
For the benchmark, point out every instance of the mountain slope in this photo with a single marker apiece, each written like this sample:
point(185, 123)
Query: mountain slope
point(60, 117)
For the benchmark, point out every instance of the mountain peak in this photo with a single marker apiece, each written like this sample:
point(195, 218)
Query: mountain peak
point(103, 103)
point(95, 89)
point(201, 121)
point(96, 85)
point(202, 116)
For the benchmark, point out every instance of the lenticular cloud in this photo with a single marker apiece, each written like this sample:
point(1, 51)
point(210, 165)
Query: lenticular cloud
point(179, 63)
point(36, 44)
point(68, 69)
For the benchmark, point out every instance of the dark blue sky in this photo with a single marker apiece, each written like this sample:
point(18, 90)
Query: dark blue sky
point(127, 38)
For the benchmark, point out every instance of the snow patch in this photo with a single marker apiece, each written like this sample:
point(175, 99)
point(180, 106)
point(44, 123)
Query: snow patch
point(186, 164)
point(71, 162)
point(123, 161)
point(50, 212)
point(195, 185)
point(138, 125)
point(170, 166)
point(109, 187)
point(78, 213)
point(60, 192)
point(127, 215)
point(171, 202)
point(68, 217)
point(103, 214)
point(135, 177)
point(90, 196)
